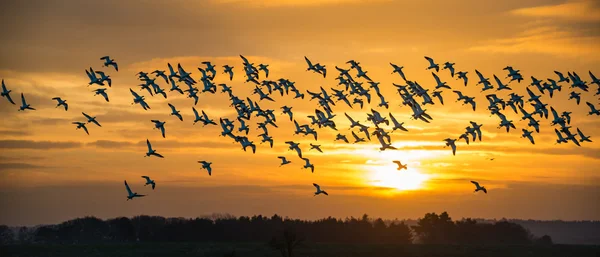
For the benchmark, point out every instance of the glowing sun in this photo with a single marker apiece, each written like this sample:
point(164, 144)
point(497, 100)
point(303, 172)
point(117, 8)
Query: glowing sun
point(389, 176)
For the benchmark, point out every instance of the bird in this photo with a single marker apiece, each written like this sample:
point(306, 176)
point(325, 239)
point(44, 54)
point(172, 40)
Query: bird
point(102, 92)
point(316, 147)
point(228, 70)
point(449, 66)
point(109, 62)
point(308, 165)
point(432, 64)
point(61, 102)
point(159, 125)
point(593, 109)
point(583, 137)
point(81, 125)
point(319, 191)
point(284, 161)
point(206, 165)
point(479, 188)
point(175, 112)
point(150, 151)
point(451, 143)
point(24, 105)
point(91, 119)
point(130, 194)
point(149, 182)
point(400, 166)
point(6, 93)
point(527, 134)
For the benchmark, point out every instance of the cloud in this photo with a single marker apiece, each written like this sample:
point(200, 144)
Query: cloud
point(553, 40)
point(14, 133)
point(40, 145)
point(109, 144)
point(19, 166)
point(289, 3)
point(577, 10)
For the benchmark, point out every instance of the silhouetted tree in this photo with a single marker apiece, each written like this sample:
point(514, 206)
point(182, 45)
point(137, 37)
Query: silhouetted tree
point(7, 236)
point(435, 229)
point(121, 230)
point(544, 240)
point(286, 242)
point(46, 234)
point(431, 229)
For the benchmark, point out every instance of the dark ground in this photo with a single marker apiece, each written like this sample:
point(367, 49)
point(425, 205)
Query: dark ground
point(308, 250)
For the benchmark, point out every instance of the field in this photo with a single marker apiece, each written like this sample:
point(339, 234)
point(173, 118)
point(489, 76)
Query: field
point(307, 250)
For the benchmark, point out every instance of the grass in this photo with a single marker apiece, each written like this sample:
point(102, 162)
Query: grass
point(307, 250)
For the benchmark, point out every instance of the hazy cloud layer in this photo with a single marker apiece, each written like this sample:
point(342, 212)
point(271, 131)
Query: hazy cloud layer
point(51, 43)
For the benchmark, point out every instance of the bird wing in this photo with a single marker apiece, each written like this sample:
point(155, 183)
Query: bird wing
point(85, 128)
point(87, 116)
point(588, 104)
point(479, 74)
point(158, 155)
point(397, 162)
point(25, 103)
point(134, 93)
point(149, 145)
point(554, 113)
point(128, 189)
point(497, 80)
point(429, 59)
point(476, 184)
point(9, 99)
point(147, 178)
point(172, 108)
point(437, 79)
point(4, 86)
point(195, 112)
point(580, 133)
point(308, 62)
point(162, 130)
point(317, 186)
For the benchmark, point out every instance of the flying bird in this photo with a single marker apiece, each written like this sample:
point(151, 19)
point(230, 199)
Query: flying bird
point(175, 112)
point(206, 165)
point(24, 105)
point(479, 188)
point(150, 151)
point(284, 161)
point(81, 125)
point(149, 182)
point(319, 191)
point(91, 119)
point(432, 64)
point(109, 62)
point(130, 194)
point(6, 93)
point(400, 166)
point(61, 102)
point(159, 125)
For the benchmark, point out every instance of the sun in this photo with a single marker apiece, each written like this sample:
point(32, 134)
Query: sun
point(389, 176)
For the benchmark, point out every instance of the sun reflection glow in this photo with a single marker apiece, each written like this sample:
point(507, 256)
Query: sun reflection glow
point(385, 173)
point(389, 176)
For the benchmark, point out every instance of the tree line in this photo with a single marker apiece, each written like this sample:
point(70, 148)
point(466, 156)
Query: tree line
point(430, 229)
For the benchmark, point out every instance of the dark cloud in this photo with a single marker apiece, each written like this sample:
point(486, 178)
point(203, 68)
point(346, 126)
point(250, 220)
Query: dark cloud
point(19, 166)
point(40, 145)
point(160, 144)
point(16, 133)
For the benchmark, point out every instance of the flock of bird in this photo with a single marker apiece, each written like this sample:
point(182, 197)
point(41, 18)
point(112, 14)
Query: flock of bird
point(353, 93)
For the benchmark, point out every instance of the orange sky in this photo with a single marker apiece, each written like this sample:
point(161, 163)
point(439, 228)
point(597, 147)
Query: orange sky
point(50, 172)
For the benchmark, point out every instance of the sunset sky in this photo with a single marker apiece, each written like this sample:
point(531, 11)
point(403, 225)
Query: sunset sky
point(51, 172)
